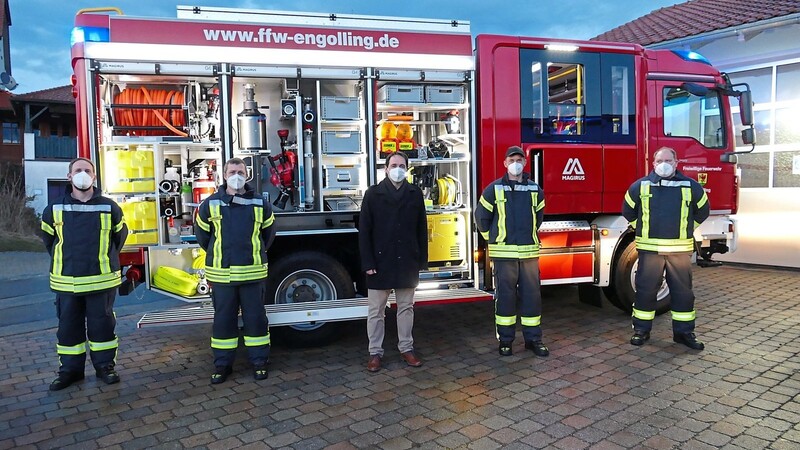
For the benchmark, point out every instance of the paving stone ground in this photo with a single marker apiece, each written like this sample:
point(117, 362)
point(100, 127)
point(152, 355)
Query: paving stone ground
point(594, 391)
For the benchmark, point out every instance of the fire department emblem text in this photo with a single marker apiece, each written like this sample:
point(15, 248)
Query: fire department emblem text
point(702, 178)
point(573, 171)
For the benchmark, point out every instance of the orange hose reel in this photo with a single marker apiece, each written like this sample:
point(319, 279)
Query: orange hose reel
point(140, 117)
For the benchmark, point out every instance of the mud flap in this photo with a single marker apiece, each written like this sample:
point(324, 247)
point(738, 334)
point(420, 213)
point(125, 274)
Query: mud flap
point(590, 295)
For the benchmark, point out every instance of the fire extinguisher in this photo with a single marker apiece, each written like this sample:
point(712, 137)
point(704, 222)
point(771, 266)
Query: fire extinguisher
point(282, 172)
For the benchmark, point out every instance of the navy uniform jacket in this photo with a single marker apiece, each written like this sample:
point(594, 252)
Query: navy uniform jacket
point(665, 211)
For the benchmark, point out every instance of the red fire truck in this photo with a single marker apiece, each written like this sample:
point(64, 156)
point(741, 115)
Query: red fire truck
point(315, 102)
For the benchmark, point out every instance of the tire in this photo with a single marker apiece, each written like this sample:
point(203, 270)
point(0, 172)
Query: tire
point(623, 292)
point(307, 277)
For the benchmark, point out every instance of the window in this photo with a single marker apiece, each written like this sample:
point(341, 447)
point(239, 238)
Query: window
point(754, 169)
point(10, 133)
point(787, 81)
point(693, 116)
point(760, 82)
point(786, 169)
point(566, 95)
point(786, 129)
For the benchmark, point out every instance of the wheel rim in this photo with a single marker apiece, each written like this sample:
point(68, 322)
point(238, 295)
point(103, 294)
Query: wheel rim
point(305, 286)
point(663, 290)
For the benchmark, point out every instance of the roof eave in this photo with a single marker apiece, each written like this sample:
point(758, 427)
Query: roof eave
point(760, 25)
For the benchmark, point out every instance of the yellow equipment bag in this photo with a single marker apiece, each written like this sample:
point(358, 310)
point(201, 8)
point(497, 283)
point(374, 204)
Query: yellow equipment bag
point(176, 281)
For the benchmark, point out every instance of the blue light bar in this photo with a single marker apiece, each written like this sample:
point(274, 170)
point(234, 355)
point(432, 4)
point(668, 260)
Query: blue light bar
point(689, 55)
point(88, 34)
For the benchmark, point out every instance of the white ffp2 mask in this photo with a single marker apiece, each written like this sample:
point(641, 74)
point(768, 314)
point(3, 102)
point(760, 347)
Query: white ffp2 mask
point(82, 181)
point(515, 168)
point(665, 170)
point(236, 181)
point(397, 174)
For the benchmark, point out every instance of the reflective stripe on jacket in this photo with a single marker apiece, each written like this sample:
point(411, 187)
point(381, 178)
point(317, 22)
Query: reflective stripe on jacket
point(235, 231)
point(84, 240)
point(665, 212)
point(508, 216)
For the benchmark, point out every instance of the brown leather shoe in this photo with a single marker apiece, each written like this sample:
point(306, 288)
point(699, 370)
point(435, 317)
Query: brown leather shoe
point(374, 363)
point(411, 359)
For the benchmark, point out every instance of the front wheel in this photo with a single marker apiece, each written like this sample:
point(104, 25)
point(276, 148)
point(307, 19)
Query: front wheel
point(623, 286)
point(307, 277)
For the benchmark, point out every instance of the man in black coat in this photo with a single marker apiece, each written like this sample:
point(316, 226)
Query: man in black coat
point(393, 239)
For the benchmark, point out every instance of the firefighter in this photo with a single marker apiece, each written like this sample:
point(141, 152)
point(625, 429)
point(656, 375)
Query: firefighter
point(664, 208)
point(235, 228)
point(84, 232)
point(508, 216)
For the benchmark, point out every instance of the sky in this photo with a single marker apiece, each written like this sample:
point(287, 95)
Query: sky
point(40, 29)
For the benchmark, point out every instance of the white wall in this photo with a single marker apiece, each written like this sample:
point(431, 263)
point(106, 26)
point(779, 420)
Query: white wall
point(38, 172)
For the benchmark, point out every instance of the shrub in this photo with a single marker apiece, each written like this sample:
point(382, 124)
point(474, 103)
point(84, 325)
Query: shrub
point(15, 214)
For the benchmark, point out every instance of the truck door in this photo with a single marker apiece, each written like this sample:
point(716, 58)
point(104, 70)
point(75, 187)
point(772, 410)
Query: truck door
point(561, 126)
point(693, 126)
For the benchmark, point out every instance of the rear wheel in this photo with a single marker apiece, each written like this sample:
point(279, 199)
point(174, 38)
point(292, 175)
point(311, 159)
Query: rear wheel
point(308, 277)
point(622, 292)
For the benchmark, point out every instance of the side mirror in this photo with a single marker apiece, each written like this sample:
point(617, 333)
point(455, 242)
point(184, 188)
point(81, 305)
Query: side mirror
point(749, 136)
point(746, 107)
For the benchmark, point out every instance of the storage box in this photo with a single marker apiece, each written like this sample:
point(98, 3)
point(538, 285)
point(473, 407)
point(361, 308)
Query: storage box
point(343, 203)
point(142, 220)
point(344, 177)
point(341, 142)
point(446, 241)
point(399, 93)
point(176, 281)
point(341, 108)
point(129, 171)
point(444, 94)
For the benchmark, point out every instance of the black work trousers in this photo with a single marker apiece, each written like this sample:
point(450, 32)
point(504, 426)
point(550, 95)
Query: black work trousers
point(649, 276)
point(80, 315)
point(517, 289)
point(228, 299)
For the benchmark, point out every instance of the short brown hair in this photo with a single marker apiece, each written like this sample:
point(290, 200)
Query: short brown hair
point(72, 163)
point(237, 161)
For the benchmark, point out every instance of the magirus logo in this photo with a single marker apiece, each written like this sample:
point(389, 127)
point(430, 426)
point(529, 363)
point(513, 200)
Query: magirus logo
point(573, 171)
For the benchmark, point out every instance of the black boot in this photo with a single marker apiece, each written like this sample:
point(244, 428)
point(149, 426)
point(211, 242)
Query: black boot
point(65, 380)
point(539, 349)
point(640, 337)
point(221, 374)
point(689, 340)
point(505, 349)
point(107, 374)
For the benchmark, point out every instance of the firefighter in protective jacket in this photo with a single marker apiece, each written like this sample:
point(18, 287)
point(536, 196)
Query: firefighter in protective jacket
point(508, 216)
point(235, 228)
point(664, 208)
point(84, 232)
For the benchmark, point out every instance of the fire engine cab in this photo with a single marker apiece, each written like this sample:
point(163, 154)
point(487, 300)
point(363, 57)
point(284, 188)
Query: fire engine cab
point(314, 103)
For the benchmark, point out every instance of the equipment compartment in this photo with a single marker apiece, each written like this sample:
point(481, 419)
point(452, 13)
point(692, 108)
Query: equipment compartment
point(395, 93)
point(348, 142)
point(340, 108)
point(444, 94)
point(342, 176)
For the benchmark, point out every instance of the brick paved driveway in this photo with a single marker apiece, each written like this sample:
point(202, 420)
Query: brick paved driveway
point(594, 391)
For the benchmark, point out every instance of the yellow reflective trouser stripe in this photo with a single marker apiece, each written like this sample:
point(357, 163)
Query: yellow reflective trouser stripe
point(485, 203)
point(644, 195)
point(686, 197)
point(100, 346)
point(683, 316)
point(665, 245)
point(85, 284)
point(71, 350)
point(500, 200)
point(270, 220)
point(217, 217)
point(702, 201)
point(255, 239)
point(105, 232)
point(48, 229)
point(255, 341)
point(531, 321)
point(514, 251)
point(58, 256)
point(236, 273)
point(644, 315)
point(629, 200)
point(505, 320)
point(203, 224)
point(225, 344)
point(534, 208)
